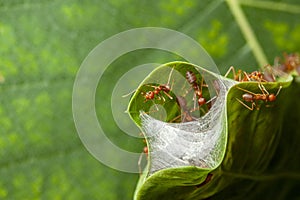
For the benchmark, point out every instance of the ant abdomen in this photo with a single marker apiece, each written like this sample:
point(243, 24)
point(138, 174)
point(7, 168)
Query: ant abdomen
point(190, 77)
point(247, 97)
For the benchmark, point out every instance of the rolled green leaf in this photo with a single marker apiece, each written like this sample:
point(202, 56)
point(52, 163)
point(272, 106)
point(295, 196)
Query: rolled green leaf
point(230, 148)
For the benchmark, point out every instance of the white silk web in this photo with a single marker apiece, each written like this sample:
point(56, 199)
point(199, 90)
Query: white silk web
point(197, 143)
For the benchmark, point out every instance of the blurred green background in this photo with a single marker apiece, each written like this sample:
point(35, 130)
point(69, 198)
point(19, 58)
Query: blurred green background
point(43, 43)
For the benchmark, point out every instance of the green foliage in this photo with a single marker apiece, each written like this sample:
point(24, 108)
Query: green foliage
point(42, 46)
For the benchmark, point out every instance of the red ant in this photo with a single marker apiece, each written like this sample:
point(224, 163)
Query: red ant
point(237, 76)
point(253, 97)
point(165, 88)
point(192, 79)
point(181, 101)
point(242, 76)
point(145, 151)
point(255, 76)
point(291, 62)
point(187, 117)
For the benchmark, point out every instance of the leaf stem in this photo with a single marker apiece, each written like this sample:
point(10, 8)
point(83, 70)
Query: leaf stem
point(247, 32)
point(284, 7)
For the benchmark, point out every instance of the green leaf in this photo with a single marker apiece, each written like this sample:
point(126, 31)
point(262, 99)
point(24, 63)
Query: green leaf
point(245, 153)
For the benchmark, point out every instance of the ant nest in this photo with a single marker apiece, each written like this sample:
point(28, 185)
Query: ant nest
point(196, 143)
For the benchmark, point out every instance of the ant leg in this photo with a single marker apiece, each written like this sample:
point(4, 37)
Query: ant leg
point(176, 118)
point(161, 98)
point(168, 95)
point(156, 107)
point(245, 90)
point(278, 90)
point(216, 87)
point(140, 162)
point(153, 86)
point(172, 85)
point(196, 93)
point(187, 91)
point(250, 108)
point(201, 85)
point(183, 86)
point(126, 95)
point(198, 108)
point(231, 69)
point(246, 76)
point(184, 117)
point(195, 100)
point(169, 78)
point(263, 89)
point(239, 76)
point(212, 99)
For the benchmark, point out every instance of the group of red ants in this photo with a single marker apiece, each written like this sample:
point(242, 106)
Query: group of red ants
point(290, 62)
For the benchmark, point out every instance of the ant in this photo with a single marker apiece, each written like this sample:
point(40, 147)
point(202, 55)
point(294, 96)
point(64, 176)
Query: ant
point(187, 117)
point(291, 62)
point(242, 76)
point(181, 101)
point(237, 76)
point(165, 88)
point(255, 76)
point(192, 80)
point(145, 151)
point(253, 97)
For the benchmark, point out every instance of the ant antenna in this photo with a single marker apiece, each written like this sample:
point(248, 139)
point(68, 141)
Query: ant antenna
point(278, 90)
point(170, 75)
point(126, 95)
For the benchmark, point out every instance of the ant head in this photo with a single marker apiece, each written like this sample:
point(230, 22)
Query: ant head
point(168, 87)
point(272, 97)
point(149, 95)
point(201, 101)
point(145, 150)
